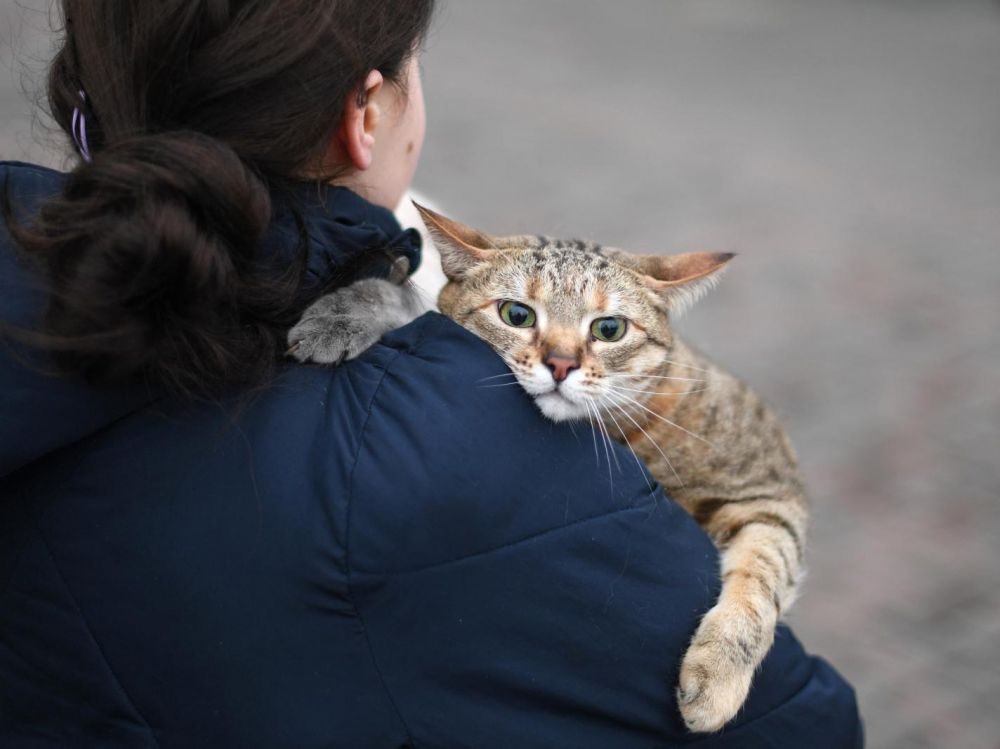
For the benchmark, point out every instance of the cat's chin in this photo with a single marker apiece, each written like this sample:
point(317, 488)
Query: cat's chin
point(556, 407)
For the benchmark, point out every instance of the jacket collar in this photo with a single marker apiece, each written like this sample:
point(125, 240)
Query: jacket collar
point(348, 237)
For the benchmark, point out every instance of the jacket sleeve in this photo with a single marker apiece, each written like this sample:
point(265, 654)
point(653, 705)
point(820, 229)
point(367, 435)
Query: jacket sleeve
point(521, 585)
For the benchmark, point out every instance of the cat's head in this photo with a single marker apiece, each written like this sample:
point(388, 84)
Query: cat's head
point(578, 324)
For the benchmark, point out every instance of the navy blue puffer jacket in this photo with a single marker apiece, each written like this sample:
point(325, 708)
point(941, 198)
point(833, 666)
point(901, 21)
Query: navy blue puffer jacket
point(385, 554)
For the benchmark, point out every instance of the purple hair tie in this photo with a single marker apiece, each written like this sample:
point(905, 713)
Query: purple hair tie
point(79, 128)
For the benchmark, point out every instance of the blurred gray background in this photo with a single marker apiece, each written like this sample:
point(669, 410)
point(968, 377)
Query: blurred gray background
point(849, 150)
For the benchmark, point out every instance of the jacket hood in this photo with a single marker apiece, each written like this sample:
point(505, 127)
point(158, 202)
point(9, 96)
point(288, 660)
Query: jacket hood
point(40, 412)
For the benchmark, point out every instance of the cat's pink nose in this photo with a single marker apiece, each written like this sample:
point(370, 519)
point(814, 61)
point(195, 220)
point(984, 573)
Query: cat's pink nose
point(561, 366)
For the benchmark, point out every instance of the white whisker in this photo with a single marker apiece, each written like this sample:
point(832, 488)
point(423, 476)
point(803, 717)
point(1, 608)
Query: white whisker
point(651, 441)
point(634, 402)
point(493, 377)
point(656, 392)
point(593, 434)
point(608, 435)
point(607, 451)
point(631, 449)
point(686, 366)
point(572, 430)
point(652, 377)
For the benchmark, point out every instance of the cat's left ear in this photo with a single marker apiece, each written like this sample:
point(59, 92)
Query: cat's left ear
point(461, 247)
point(681, 278)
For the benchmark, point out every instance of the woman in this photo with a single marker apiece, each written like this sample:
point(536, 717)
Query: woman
point(202, 546)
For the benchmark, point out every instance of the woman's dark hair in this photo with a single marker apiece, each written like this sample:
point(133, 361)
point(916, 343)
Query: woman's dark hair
point(196, 110)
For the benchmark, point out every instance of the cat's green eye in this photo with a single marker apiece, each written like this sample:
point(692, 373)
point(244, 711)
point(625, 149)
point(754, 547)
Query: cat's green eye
point(609, 329)
point(517, 315)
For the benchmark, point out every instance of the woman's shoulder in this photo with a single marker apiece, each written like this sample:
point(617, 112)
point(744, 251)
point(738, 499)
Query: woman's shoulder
point(454, 448)
point(26, 170)
point(486, 544)
point(27, 185)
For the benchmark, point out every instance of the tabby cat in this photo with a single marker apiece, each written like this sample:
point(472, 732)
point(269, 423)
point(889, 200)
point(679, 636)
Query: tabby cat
point(586, 331)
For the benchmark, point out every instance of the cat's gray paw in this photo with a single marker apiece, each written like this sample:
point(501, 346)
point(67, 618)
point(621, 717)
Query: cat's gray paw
point(329, 340)
point(718, 667)
point(342, 325)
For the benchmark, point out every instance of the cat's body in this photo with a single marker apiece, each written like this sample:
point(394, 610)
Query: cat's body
point(586, 332)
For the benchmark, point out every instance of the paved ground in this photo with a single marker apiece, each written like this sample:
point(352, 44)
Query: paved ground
point(850, 151)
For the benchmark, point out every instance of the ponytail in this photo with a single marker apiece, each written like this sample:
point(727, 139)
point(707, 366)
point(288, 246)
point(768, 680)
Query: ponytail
point(150, 256)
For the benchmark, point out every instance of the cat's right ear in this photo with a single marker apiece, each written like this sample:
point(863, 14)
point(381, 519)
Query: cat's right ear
point(461, 247)
point(680, 278)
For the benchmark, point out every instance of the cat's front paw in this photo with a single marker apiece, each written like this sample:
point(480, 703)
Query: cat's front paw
point(341, 325)
point(718, 667)
point(329, 339)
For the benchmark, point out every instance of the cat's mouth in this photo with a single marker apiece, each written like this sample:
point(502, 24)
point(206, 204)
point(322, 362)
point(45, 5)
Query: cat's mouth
point(558, 407)
point(553, 399)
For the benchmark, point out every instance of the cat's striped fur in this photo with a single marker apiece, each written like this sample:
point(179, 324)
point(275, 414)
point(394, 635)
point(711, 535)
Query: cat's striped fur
point(703, 434)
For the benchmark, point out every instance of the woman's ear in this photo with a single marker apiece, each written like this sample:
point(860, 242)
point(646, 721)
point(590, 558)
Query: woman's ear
point(354, 142)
